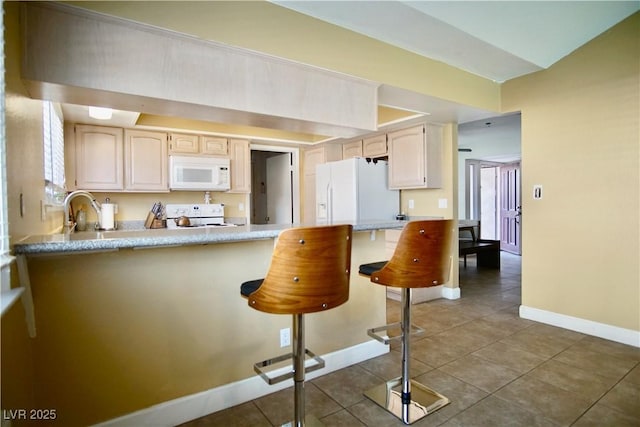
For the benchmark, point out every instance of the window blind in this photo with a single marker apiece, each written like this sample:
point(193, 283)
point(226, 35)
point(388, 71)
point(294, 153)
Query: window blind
point(53, 149)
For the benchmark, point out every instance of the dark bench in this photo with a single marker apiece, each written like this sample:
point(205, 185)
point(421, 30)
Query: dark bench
point(487, 252)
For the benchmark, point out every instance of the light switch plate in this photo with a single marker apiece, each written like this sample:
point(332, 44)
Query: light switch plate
point(537, 192)
point(443, 203)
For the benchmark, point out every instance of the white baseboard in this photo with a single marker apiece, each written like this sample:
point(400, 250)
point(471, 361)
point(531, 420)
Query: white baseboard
point(451, 293)
point(601, 330)
point(419, 295)
point(197, 405)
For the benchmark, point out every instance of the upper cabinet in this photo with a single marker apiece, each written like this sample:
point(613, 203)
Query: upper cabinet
point(352, 149)
point(240, 166)
point(113, 159)
point(146, 161)
point(99, 158)
point(376, 146)
point(213, 145)
point(181, 143)
point(415, 157)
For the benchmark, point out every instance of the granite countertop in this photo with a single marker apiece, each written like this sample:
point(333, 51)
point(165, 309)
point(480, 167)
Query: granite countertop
point(88, 241)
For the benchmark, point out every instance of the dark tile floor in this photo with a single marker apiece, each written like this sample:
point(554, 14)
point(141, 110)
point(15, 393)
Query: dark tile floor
point(496, 368)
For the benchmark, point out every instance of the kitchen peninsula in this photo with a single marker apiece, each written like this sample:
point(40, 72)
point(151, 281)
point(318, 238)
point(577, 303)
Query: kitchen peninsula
point(132, 322)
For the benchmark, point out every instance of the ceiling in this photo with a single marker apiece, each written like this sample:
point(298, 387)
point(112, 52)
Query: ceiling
point(498, 40)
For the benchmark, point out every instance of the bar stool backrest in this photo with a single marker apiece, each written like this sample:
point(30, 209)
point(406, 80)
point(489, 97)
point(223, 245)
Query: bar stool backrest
point(309, 271)
point(422, 257)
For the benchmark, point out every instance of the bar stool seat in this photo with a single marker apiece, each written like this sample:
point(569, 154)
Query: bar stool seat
point(422, 258)
point(309, 272)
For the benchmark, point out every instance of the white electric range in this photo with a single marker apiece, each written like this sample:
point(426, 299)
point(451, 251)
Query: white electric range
point(200, 215)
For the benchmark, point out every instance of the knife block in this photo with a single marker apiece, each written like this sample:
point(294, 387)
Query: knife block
point(152, 222)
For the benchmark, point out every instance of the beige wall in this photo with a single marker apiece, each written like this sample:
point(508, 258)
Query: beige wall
point(580, 131)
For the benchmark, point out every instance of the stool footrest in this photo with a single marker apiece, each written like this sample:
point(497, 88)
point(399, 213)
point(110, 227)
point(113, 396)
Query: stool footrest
point(385, 339)
point(319, 364)
point(421, 402)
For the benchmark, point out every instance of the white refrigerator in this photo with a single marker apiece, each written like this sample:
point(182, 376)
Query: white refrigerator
point(354, 190)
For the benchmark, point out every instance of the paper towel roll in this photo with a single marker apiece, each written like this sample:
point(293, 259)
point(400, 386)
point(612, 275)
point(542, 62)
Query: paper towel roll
point(107, 222)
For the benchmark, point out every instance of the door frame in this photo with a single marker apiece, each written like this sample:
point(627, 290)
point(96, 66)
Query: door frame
point(295, 166)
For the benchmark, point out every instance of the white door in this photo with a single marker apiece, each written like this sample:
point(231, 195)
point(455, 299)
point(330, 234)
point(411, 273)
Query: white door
point(279, 191)
point(510, 208)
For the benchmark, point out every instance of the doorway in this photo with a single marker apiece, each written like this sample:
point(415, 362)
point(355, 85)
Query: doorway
point(275, 190)
point(494, 197)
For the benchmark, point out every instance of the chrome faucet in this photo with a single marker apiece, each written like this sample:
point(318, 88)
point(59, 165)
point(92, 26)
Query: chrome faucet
point(69, 225)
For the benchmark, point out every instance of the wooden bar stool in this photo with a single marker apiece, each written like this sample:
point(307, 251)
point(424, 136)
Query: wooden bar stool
point(309, 272)
point(422, 258)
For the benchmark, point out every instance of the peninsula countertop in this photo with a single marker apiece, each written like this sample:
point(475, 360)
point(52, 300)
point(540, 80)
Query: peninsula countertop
point(88, 241)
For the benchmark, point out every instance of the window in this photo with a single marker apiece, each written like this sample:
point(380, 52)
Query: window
point(53, 141)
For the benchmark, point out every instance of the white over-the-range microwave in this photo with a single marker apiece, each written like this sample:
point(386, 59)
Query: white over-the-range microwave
point(199, 173)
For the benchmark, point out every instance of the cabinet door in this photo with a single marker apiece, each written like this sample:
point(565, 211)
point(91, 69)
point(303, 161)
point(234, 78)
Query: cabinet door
point(146, 161)
point(99, 161)
point(213, 145)
point(407, 158)
point(183, 143)
point(352, 149)
point(240, 166)
point(375, 146)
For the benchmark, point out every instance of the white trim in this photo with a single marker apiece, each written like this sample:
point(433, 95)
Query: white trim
point(7, 298)
point(589, 327)
point(451, 293)
point(419, 295)
point(197, 405)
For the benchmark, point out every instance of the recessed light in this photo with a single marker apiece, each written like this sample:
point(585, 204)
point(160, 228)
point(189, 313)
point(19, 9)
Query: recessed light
point(100, 113)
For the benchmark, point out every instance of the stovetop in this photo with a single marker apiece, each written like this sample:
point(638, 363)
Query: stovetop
point(200, 215)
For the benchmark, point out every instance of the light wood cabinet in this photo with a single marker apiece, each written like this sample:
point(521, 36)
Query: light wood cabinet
point(213, 145)
point(415, 157)
point(99, 158)
point(146, 161)
point(113, 159)
point(376, 146)
point(352, 149)
point(240, 165)
point(180, 143)
point(312, 158)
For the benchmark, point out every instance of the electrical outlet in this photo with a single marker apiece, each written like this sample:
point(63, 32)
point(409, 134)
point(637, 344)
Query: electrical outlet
point(411, 204)
point(285, 337)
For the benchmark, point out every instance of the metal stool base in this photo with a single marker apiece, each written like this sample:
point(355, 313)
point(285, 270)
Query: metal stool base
point(309, 421)
point(424, 401)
